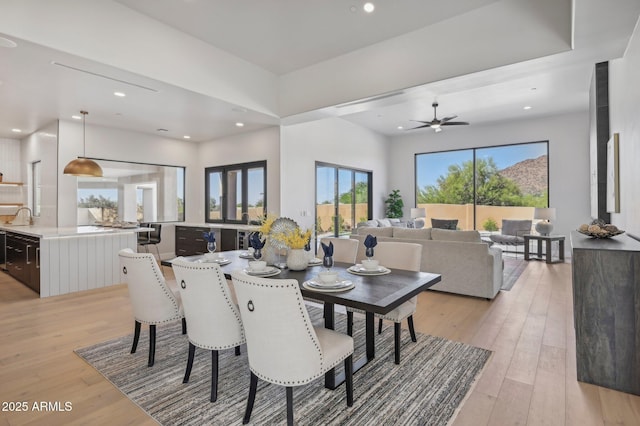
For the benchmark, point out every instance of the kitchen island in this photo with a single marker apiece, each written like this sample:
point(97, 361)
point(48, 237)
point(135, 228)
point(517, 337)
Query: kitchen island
point(54, 261)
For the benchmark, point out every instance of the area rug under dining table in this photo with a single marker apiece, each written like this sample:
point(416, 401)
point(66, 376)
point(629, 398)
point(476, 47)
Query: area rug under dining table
point(427, 387)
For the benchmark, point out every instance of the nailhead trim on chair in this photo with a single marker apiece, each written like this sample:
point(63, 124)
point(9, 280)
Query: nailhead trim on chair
point(165, 288)
point(230, 303)
point(311, 333)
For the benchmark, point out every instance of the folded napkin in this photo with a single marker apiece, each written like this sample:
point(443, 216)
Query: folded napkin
point(255, 242)
point(210, 236)
point(328, 249)
point(370, 242)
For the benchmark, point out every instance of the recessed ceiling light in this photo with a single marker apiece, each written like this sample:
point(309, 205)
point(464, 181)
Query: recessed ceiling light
point(187, 137)
point(400, 127)
point(76, 117)
point(119, 94)
point(368, 7)
point(527, 107)
point(16, 130)
point(239, 124)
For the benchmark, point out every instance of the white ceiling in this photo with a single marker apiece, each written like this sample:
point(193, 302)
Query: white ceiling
point(282, 36)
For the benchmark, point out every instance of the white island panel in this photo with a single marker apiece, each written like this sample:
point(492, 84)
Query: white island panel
point(81, 262)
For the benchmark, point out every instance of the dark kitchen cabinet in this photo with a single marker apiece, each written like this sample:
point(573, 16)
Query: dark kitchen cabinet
point(23, 259)
point(189, 239)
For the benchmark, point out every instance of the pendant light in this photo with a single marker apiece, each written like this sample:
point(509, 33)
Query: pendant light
point(83, 166)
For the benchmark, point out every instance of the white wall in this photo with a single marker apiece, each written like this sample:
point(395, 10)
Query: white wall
point(624, 113)
point(42, 146)
point(332, 140)
point(568, 137)
point(255, 146)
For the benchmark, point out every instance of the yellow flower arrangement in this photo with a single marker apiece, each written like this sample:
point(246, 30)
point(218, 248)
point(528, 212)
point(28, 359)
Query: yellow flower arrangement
point(266, 223)
point(295, 239)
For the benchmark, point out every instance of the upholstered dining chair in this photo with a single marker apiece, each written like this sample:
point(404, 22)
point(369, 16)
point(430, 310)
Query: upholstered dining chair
point(394, 255)
point(213, 317)
point(344, 249)
point(283, 347)
point(152, 300)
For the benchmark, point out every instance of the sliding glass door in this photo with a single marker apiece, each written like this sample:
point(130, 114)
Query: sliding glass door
point(342, 199)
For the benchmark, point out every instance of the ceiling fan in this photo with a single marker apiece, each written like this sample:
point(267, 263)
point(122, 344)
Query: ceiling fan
point(436, 124)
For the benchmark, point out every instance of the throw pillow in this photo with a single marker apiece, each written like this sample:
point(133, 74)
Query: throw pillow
point(384, 222)
point(444, 223)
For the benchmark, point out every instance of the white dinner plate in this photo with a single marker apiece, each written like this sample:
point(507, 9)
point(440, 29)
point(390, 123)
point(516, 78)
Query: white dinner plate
point(315, 261)
point(358, 269)
point(245, 255)
point(340, 285)
point(218, 261)
point(269, 271)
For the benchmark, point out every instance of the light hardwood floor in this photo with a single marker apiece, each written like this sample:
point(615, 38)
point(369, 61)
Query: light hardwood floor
point(529, 380)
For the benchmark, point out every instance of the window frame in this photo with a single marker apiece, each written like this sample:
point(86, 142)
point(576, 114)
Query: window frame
point(474, 158)
point(223, 170)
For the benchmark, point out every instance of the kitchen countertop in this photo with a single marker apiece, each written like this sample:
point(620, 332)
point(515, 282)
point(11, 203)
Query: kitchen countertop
point(238, 226)
point(53, 232)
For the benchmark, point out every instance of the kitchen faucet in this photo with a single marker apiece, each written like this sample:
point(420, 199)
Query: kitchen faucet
point(30, 214)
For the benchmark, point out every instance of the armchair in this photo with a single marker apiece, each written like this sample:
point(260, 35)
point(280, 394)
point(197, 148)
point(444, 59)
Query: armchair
point(512, 232)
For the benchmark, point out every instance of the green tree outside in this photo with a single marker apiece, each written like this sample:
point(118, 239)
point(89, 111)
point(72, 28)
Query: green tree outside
point(492, 188)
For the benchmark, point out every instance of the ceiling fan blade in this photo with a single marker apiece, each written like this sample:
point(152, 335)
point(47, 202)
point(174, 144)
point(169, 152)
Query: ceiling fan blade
point(420, 127)
point(444, 120)
point(423, 122)
point(455, 123)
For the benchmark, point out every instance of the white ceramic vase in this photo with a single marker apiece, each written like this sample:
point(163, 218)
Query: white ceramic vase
point(297, 260)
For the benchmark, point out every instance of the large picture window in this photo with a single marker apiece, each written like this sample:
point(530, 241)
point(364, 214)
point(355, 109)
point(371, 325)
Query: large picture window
point(131, 192)
point(236, 193)
point(481, 186)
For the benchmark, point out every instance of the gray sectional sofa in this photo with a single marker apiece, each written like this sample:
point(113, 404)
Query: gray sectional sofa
point(468, 266)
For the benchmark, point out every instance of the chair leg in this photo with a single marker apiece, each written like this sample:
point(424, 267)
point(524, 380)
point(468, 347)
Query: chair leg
point(350, 323)
point(136, 336)
point(412, 330)
point(214, 376)
point(152, 345)
point(184, 326)
point(348, 377)
point(187, 373)
point(397, 331)
point(253, 386)
point(289, 406)
point(238, 350)
point(379, 325)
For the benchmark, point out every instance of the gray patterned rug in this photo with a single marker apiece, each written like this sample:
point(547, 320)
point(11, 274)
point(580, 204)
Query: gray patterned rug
point(425, 389)
point(513, 268)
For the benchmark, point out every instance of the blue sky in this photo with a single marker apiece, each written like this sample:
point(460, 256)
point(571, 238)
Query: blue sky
point(431, 166)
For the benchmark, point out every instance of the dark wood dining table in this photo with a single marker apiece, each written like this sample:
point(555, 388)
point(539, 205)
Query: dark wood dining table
point(374, 294)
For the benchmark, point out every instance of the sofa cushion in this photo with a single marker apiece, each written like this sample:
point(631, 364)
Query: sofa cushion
point(371, 223)
point(461, 236)
point(444, 223)
point(384, 222)
point(376, 232)
point(413, 234)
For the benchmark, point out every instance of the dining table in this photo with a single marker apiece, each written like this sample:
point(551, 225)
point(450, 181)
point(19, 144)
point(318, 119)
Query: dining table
point(372, 293)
